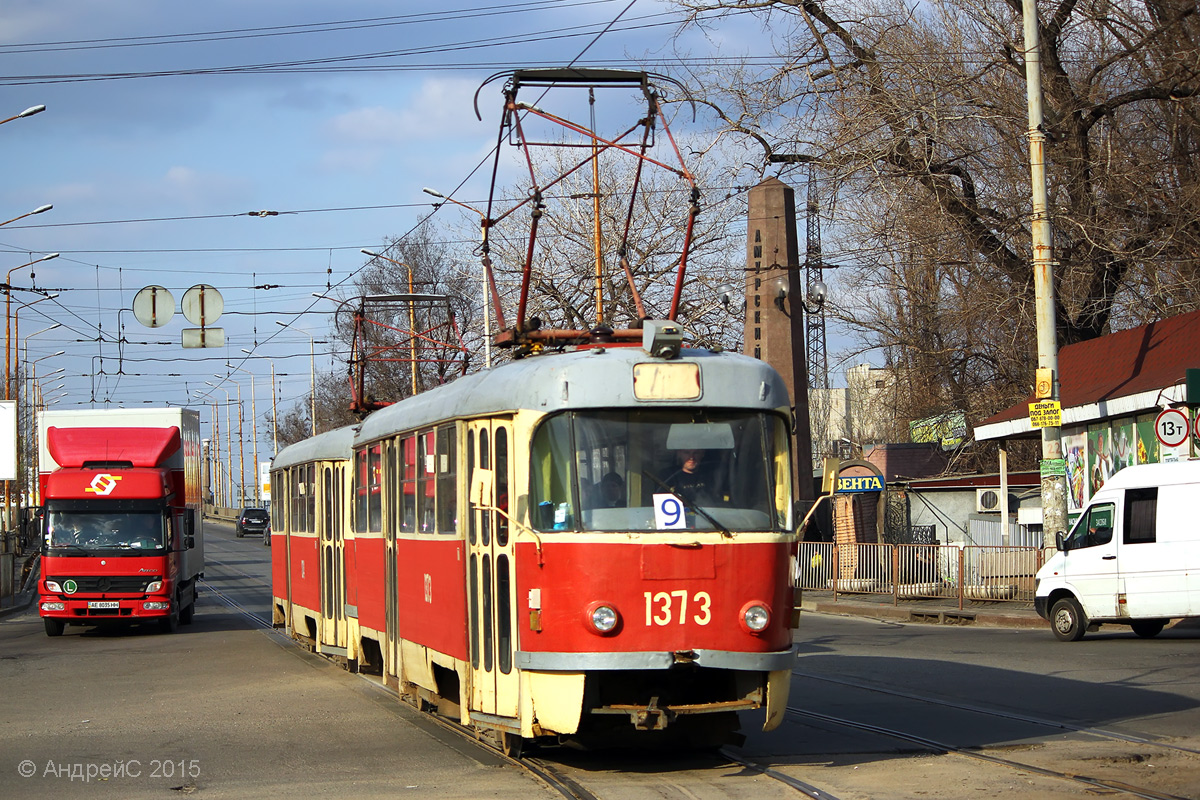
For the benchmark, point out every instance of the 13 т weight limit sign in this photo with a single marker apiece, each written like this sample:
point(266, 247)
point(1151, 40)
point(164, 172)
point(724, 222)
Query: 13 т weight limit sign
point(1171, 427)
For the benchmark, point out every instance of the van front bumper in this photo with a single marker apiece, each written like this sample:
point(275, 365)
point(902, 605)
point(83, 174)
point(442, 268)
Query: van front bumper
point(1039, 605)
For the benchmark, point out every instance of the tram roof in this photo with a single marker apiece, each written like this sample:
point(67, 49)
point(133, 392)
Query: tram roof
point(334, 445)
point(593, 378)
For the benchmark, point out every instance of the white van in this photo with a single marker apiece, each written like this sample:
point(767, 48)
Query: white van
point(1133, 557)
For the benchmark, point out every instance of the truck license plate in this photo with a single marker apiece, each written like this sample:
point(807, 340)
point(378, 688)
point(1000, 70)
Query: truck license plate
point(103, 604)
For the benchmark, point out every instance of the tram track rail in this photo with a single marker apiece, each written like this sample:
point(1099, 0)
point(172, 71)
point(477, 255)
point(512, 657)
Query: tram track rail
point(942, 747)
point(548, 773)
point(1099, 733)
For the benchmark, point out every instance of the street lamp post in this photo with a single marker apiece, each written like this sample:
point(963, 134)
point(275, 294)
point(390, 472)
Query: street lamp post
point(312, 378)
point(228, 439)
point(488, 289)
point(8, 317)
point(253, 430)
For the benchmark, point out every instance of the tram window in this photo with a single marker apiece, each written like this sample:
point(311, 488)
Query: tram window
point(472, 530)
point(550, 469)
point(474, 592)
point(447, 480)
point(408, 491)
point(488, 647)
point(310, 500)
point(503, 611)
point(375, 490)
point(502, 486)
point(390, 482)
point(426, 485)
point(327, 501)
point(612, 465)
point(360, 491)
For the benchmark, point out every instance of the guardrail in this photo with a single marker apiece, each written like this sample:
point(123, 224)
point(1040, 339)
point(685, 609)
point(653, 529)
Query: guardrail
point(913, 571)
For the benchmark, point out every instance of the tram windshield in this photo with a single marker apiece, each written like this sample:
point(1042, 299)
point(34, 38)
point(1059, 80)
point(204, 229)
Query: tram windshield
point(663, 469)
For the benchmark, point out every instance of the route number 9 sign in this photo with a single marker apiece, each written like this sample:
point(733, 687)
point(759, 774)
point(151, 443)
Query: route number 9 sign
point(1171, 427)
point(668, 512)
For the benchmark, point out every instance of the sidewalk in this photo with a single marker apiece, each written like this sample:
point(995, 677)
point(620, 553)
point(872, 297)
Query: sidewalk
point(22, 598)
point(933, 610)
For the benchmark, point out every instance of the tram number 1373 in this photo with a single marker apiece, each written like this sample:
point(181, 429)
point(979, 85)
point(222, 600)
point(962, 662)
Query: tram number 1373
point(661, 607)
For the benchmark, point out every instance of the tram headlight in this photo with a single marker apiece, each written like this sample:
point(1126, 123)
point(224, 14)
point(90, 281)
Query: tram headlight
point(603, 618)
point(756, 617)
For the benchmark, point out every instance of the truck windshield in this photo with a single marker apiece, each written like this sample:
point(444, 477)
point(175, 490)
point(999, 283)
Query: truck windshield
point(110, 530)
point(665, 469)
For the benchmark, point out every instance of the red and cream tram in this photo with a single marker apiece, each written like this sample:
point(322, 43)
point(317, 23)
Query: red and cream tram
point(577, 545)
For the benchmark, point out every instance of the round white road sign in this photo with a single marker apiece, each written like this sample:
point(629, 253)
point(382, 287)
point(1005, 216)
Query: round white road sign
point(1171, 427)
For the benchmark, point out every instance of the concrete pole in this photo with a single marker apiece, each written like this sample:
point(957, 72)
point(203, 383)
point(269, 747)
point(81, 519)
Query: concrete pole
point(1054, 477)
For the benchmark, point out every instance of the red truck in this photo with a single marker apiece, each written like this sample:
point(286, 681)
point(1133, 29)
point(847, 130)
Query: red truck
point(122, 523)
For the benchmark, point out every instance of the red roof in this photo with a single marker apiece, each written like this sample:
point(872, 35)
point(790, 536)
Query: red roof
point(1142, 359)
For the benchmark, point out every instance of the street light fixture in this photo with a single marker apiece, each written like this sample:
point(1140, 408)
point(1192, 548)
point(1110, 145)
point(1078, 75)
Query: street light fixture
point(38, 210)
point(29, 112)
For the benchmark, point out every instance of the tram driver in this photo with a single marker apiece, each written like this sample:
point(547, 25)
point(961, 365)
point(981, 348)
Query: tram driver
point(692, 478)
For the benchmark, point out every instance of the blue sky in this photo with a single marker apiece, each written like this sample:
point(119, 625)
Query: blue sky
point(152, 162)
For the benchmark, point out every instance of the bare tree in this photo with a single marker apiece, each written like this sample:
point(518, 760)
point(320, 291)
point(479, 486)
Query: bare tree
point(916, 117)
point(563, 291)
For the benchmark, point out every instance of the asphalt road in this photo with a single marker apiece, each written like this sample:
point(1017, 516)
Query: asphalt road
point(228, 708)
point(222, 708)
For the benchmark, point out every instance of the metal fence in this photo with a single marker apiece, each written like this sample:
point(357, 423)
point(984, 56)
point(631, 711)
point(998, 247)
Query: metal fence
point(907, 571)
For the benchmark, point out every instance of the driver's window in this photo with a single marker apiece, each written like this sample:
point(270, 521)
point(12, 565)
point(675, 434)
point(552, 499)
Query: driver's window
point(1094, 529)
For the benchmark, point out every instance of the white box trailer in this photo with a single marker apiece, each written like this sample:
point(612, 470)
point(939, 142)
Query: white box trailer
point(1133, 557)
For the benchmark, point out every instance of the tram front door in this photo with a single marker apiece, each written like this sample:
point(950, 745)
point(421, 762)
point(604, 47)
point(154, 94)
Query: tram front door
point(491, 577)
point(333, 554)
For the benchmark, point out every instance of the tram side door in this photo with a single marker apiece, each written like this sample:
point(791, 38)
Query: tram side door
point(333, 554)
point(491, 576)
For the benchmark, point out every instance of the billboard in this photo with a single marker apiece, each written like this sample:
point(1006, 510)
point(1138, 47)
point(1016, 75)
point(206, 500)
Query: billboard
point(264, 481)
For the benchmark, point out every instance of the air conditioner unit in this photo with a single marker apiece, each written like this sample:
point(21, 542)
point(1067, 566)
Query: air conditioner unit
point(987, 501)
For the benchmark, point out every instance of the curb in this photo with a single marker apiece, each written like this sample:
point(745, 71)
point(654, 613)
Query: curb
point(927, 614)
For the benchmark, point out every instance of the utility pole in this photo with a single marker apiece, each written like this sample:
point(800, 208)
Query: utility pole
point(1053, 467)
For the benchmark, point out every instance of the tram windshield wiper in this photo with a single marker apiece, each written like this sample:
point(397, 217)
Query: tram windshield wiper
point(690, 504)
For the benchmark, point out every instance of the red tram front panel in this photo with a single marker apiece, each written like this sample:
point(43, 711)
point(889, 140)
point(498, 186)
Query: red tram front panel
point(670, 597)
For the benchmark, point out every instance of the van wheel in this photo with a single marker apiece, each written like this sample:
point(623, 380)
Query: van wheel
point(1148, 628)
point(54, 627)
point(1067, 620)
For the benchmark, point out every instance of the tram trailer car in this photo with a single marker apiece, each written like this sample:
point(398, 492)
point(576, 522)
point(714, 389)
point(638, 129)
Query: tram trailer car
point(122, 529)
point(314, 593)
point(499, 582)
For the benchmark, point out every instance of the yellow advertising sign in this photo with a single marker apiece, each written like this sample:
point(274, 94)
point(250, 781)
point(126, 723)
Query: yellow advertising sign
point(1045, 414)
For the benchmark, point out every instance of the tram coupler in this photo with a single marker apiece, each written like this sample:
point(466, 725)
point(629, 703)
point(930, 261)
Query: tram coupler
point(651, 718)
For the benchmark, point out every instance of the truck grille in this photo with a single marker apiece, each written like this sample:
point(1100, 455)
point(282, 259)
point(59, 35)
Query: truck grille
point(93, 584)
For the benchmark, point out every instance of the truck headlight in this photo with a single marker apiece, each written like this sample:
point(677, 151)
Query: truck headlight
point(53, 586)
point(56, 606)
point(154, 586)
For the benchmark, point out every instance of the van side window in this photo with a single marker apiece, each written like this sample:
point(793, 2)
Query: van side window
point(1141, 515)
point(1094, 529)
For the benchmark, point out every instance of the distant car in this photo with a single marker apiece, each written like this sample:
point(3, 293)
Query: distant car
point(252, 520)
